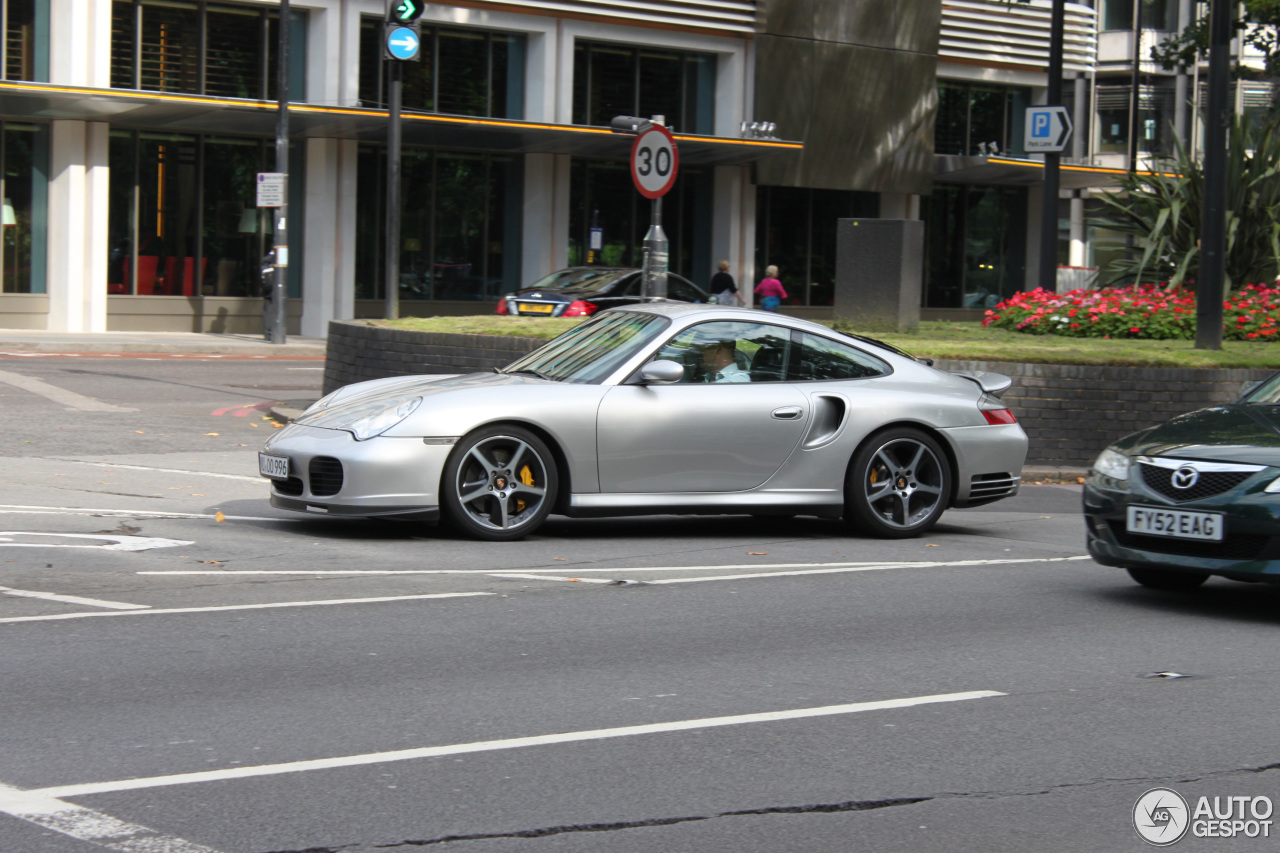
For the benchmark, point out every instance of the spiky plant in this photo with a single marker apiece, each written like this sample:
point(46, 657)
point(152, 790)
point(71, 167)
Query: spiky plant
point(1162, 210)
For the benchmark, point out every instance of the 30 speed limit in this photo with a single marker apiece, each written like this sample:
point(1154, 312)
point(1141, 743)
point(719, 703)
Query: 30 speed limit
point(654, 162)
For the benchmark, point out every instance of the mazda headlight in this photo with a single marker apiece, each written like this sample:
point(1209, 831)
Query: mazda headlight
point(1112, 463)
point(1273, 488)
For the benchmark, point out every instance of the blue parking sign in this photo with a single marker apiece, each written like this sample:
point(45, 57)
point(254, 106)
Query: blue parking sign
point(1048, 129)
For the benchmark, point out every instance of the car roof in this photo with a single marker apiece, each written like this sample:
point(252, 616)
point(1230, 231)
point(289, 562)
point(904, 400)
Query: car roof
point(683, 312)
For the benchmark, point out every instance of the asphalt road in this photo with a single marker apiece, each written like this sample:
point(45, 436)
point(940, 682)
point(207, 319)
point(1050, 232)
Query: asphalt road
point(187, 670)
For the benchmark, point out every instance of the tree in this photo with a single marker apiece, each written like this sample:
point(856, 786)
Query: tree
point(1162, 210)
point(1259, 26)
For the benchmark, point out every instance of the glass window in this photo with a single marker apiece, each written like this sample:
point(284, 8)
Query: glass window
point(23, 192)
point(200, 48)
point(816, 358)
point(614, 79)
point(233, 61)
point(169, 48)
point(796, 232)
point(234, 239)
point(459, 228)
point(972, 116)
point(975, 240)
point(730, 352)
point(605, 198)
point(464, 73)
point(183, 215)
point(24, 41)
point(591, 352)
point(459, 72)
point(1156, 15)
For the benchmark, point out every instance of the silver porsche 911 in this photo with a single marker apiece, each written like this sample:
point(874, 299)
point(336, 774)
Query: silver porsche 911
point(615, 417)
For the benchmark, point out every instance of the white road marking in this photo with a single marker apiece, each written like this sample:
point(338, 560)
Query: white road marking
point(226, 607)
point(91, 826)
point(493, 745)
point(118, 543)
point(70, 399)
point(808, 568)
point(547, 577)
point(258, 479)
point(71, 599)
point(18, 509)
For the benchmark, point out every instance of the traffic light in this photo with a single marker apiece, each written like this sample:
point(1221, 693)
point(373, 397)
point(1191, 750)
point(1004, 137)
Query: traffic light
point(401, 36)
point(404, 12)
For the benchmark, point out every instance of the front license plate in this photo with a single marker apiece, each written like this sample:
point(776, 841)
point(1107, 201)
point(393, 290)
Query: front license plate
point(1177, 523)
point(535, 308)
point(275, 467)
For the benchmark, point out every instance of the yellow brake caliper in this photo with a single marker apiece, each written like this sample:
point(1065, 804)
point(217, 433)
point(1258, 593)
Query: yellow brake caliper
point(526, 477)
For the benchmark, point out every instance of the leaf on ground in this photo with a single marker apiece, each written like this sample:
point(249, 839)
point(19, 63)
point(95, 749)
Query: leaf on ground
point(213, 433)
point(219, 517)
point(757, 553)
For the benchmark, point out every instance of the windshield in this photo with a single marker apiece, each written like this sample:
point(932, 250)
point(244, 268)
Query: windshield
point(579, 280)
point(589, 353)
point(1266, 392)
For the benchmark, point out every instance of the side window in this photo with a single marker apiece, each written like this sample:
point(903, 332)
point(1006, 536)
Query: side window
point(725, 352)
point(678, 288)
point(815, 358)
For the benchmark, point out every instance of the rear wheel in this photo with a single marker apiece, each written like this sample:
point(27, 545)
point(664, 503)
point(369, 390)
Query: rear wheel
point(898, 484)
point(1168, 578)
point(499, 483)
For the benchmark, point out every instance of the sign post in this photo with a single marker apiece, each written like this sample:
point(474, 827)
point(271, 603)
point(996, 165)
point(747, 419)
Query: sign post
point(402, 43)
point(654, 164)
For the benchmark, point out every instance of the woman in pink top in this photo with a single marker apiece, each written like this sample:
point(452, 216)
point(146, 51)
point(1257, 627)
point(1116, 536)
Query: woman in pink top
point(770, 289)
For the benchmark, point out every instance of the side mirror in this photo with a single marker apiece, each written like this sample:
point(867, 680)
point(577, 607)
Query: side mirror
point(661, 372)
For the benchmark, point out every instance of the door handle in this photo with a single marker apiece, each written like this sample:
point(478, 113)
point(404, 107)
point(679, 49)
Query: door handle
point(789, 413)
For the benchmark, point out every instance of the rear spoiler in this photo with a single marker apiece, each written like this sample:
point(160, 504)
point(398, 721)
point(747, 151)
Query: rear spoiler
point(990, 383)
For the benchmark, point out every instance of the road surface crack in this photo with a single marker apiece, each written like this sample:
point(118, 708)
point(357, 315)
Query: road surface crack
point(818, 808)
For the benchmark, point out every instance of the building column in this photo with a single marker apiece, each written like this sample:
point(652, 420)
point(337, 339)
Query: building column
point(328, 265)
point(77, 261)
point(733, 225)
point(537, 237)
point(545, 234)
point(1078, 245)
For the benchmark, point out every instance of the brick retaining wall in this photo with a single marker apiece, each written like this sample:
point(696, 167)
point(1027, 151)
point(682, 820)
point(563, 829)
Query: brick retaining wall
point(1069, 411)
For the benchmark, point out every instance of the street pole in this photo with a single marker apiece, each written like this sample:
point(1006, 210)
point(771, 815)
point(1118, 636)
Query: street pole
point(655, 254)
point(281, 240)
point(1048, 278)
point(394, 75)
point(1213, 230)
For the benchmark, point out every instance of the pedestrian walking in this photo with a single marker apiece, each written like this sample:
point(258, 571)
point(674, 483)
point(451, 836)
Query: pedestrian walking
point(723, 288)
point(770, 290)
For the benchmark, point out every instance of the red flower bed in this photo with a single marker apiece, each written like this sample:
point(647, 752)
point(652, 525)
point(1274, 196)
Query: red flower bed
point(1145, 311)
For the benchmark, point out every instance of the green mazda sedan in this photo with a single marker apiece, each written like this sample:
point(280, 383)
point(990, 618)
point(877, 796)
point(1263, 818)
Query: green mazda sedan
point(1193, 497)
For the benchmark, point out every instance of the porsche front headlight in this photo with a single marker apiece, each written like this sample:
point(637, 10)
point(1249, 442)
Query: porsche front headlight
point(378, 422)
point(1112, 463)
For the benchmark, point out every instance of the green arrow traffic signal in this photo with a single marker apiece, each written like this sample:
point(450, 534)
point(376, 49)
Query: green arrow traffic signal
point(406, 11)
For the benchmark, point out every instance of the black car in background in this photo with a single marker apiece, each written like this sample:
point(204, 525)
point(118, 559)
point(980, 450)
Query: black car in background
point(582, 291)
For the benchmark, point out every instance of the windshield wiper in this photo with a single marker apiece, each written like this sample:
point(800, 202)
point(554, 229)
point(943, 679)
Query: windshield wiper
point(537, 373)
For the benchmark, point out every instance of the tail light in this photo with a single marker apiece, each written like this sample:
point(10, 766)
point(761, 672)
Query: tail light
point(501, 307)
point(579, 308)
point(995, 411)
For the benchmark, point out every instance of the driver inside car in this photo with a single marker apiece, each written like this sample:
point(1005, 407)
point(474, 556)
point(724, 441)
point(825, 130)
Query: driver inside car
point(719, 365)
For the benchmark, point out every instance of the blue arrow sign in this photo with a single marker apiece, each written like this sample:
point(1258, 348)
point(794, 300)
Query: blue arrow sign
point(402, 43)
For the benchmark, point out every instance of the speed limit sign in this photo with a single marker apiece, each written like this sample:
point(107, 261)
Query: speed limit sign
point(654, 162)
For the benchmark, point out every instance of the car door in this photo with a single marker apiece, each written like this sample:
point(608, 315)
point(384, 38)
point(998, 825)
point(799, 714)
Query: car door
point(702, 435)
